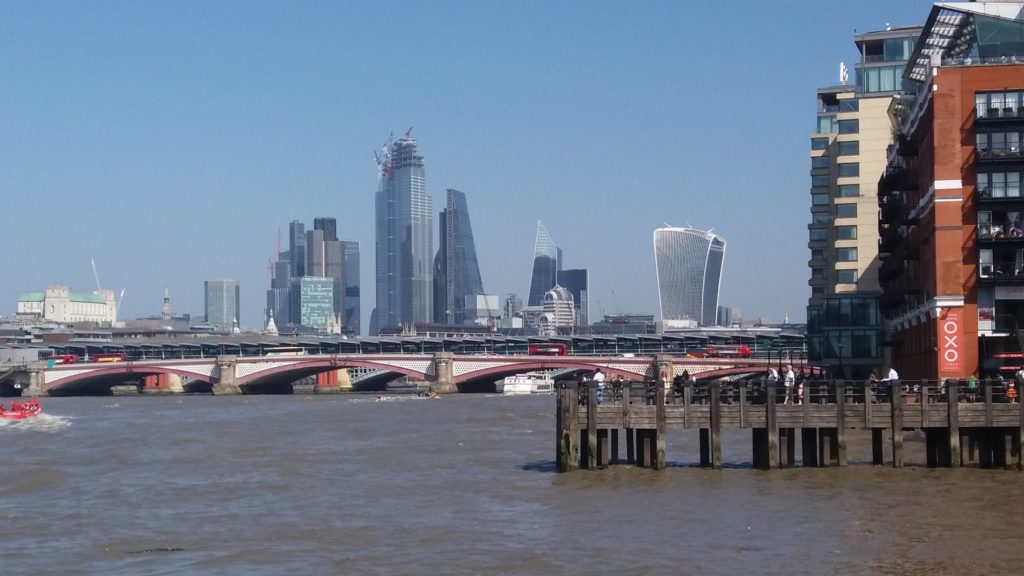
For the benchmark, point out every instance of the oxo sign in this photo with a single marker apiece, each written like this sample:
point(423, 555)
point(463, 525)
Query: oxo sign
point(949, 334)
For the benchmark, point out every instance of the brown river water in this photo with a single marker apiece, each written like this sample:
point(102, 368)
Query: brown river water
point(458, 485)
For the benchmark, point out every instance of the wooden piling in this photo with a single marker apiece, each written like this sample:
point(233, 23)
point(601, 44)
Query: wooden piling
point(568, 427)
point(716, 425)
point(896, 398)
point(953, 422)
point(787, 447)
point(630, 446)
point(840, 423)
point(771, 427)
point(591, 426)
point(658, 462)
point(602, 448)
point(615, 446)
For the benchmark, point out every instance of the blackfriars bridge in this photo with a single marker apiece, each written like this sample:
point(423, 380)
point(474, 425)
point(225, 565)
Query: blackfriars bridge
point(442, 372)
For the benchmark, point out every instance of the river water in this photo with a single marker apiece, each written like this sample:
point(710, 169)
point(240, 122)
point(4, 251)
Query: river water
point(458, 485)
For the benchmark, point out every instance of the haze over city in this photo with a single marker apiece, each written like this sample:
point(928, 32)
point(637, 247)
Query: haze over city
point(170, 143)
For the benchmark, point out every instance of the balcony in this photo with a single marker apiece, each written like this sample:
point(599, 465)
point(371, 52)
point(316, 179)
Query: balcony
point(998, 115)
point(998, 154)
point(999, 194)
point(1001, 273)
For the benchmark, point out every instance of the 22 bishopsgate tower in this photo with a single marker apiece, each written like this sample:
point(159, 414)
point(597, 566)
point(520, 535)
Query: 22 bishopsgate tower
point(405, 238)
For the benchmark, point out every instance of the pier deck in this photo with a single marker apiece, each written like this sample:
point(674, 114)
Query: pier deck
point(983, 421)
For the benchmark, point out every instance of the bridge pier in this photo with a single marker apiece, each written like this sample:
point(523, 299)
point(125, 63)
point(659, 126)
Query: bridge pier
point(36, 379)
point(225, 384)
point(444, 373)
point(162, 384)
point(333, 382)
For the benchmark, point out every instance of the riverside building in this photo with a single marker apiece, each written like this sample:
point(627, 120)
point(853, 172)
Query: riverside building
point(951, 246)
point(848, 155)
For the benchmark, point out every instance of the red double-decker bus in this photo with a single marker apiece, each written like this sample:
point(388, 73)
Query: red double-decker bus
point(548, 350)
point(64, 359)
point(727, 351)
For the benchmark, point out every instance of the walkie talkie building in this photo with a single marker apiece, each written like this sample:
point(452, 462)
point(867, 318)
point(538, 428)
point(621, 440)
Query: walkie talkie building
point(689, 268)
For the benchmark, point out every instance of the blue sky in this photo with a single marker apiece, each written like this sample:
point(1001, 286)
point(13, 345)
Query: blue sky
point(170, 141)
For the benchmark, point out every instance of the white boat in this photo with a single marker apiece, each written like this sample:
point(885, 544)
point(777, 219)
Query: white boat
point(529, 383)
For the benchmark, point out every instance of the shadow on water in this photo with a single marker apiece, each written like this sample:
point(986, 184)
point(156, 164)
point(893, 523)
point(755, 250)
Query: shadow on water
point(546, 466)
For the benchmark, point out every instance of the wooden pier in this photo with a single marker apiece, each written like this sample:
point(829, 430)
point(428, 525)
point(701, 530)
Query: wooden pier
point(980, 423)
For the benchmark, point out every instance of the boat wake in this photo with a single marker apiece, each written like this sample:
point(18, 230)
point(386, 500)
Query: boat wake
point(39, 423)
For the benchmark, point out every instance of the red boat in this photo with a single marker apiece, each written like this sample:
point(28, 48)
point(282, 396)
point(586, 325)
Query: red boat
point(20, 410)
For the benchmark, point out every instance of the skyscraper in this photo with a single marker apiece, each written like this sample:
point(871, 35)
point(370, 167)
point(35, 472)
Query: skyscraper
point(405, 237)
point(312, 301)
point(577, 282)
point(351, 300)
point(297, 248)
point(848, 155)
point(221, 301)
point(457, 274)
point(689, 268)
point(328, 225)
point(547, 261)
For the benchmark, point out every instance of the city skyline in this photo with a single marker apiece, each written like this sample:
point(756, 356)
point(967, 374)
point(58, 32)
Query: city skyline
point(210, 136)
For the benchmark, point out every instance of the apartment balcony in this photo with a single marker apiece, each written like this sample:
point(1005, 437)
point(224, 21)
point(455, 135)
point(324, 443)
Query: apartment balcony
point(1001, 273)
point(999, 194)
point(996, 155)
point(999, 115)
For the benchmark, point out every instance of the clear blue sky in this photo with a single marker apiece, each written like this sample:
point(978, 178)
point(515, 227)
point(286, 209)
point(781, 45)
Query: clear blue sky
point(171, 140)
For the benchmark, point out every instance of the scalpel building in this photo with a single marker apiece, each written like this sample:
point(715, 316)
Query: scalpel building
point(689, 268)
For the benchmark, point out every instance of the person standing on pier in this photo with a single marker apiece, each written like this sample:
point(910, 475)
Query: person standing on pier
point(892, 378)
point(790, 380)
point(599, 384)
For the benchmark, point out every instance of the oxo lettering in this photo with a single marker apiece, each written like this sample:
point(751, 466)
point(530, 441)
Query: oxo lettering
point(951, 353)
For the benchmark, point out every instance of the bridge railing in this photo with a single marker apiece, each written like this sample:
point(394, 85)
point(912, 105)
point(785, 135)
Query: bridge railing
point(812, 391)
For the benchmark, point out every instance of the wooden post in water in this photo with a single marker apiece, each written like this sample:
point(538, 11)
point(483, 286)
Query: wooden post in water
point(771, 426)
point(953, 422)
point(841, 423)
point(615, 446)
point(896, 398)
point(591, 426)
point(659, 428)
point(716, 425)
point(567, 451)
point(602, 448)
point(630, 439)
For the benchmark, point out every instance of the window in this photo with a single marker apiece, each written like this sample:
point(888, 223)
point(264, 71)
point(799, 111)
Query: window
point(820, 180)
point(817, 254)
point(817, 273)
point(818, 234)
point(846, 210)
point(846, 232)
point(817, 291)
point(849, 126)
point(827, 125)
point(849, 105)
point(821, 218)
point(985, 262)
point(821, 199)
point(851, 148)
point(846, 254)
point(849, 169)
point(819, 162)
point(819, 143)
point(846, 276)
point(849, 190)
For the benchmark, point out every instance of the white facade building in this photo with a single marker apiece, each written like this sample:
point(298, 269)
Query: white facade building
point(689, 267)
point(59, 304)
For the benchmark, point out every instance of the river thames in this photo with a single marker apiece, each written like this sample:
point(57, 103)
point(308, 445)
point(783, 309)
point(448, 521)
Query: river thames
point(457, 485)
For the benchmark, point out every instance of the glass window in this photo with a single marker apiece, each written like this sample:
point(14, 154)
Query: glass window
point(849, 190)
point(849, 169)
point(984, 224)
point(818, 234)
point(821, 180)
point(820, 162)
point(821, 218)
point(817, 273)
point(846, 276)
point(846, 232)
point(819, 199)
point(851, 148)
point(887, 79)
point(981, 105)
point(817, 254)
point(817, 291)
point(846, 254)
point(849, 105)
point(1013, 184)
point(849, 126)
point(846, 210)
point(985, 262)
point(896, 49)
point(819, 143)
point(827, 125)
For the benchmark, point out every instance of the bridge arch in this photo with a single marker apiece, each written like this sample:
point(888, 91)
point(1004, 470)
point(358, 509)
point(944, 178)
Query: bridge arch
point(300, 368)
point(520, 367)
point(100, 378)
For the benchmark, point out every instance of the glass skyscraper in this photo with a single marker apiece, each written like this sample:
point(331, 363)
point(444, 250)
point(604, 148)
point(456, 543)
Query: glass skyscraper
point(221, 299)
point(577, 282)
point(689, 267)
point(350, 302)
point(547, 261)
point(313, 301)
point(456, 271)
point(405, 238)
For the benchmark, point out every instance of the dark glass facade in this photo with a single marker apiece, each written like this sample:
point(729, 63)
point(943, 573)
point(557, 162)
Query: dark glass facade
point(577, 282)
point(457, 273)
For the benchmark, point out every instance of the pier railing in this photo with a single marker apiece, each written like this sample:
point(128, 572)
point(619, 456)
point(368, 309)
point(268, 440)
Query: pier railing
point(822, 409)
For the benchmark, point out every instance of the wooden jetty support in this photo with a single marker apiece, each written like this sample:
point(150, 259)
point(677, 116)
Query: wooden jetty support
point(960, 423)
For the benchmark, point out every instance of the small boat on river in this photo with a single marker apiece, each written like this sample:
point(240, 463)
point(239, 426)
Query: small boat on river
point(20, 410)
